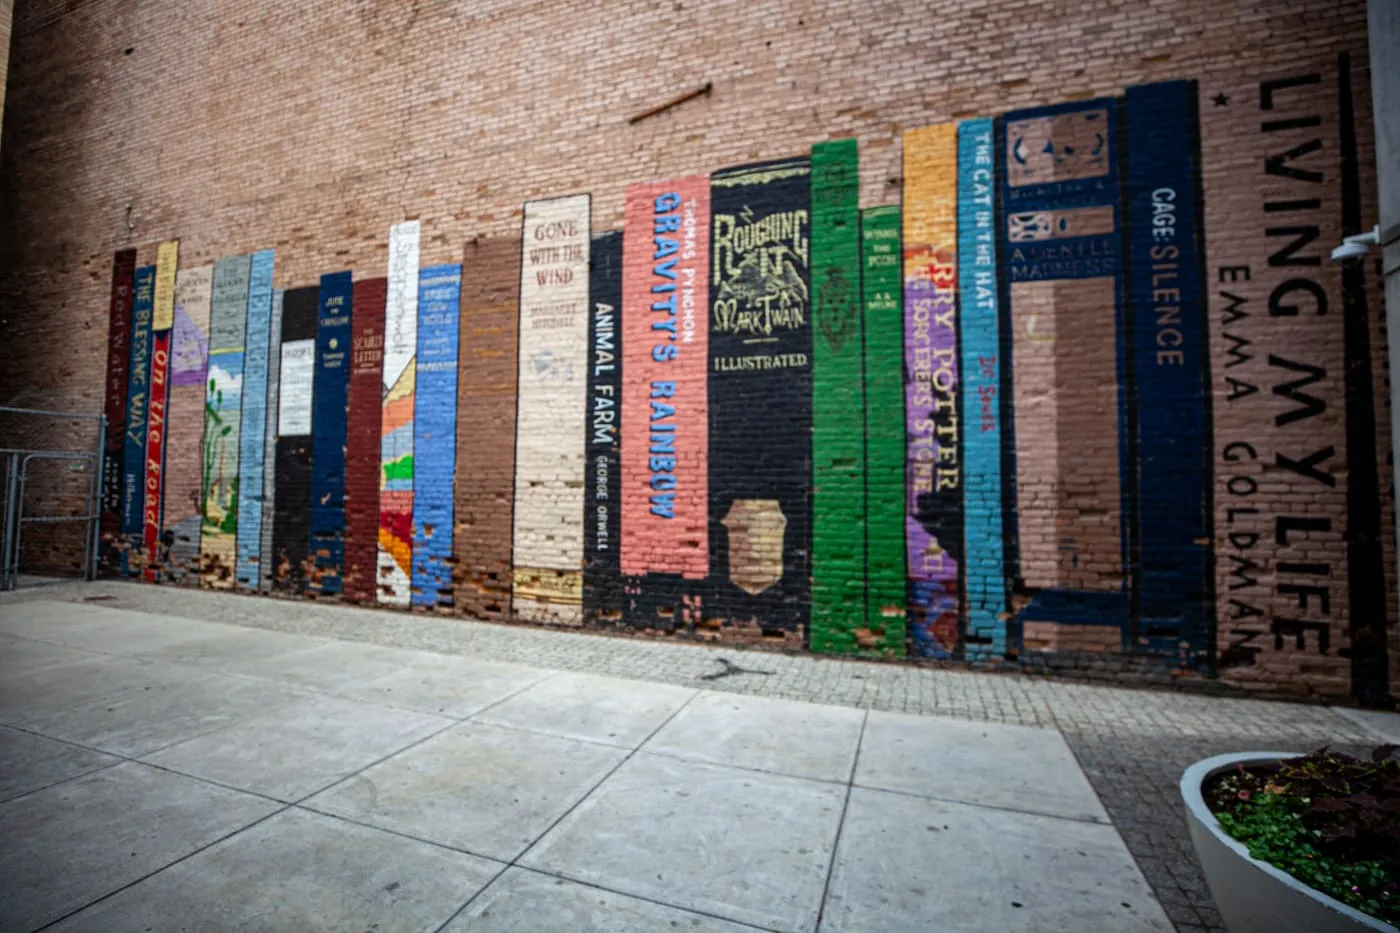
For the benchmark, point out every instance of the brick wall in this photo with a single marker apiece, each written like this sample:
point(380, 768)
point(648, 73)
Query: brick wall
point(456, 115)
point(7, 9)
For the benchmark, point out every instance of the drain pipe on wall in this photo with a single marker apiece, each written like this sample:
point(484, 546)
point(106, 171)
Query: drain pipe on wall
point(1384, 30)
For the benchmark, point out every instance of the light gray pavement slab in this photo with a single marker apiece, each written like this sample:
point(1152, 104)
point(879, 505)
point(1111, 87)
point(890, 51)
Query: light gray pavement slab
point(20, 656)
point(523, 901)
point(333, 665)
point(298, 871)
point(1132, 744)
point(135, 722)
point(482, 789)
point(102, 628)
point(28, 697)
point(65, 846)
point(447, 686)
point(731, 843)
point(590, 708)
point(300, 748)
point(799, 739)
point(29, 762)
point(949, 692)
point(1384, 726)
point(234, 651)
point(910, 863)
point(1015, 767)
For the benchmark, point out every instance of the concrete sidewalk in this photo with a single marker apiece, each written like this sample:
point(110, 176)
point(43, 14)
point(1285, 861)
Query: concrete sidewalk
point(1132, 744)
point(161, 771)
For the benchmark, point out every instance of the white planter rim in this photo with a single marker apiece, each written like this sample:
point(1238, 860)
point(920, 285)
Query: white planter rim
point(1201, 771)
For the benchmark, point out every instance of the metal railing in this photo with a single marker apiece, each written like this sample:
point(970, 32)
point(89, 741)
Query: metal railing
point(15, 515)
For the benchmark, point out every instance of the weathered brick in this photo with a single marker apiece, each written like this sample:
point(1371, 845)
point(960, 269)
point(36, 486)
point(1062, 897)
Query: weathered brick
point(127, 124)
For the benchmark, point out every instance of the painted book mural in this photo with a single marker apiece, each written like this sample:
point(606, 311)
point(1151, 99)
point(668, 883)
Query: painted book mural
point(396, 421)
point(664, 489)
point(602, 491)
point(253, 423)
point(1170, 370)
point(189, 366)
point(362, 439)
point(269, 451)
point(1069, 486)
point(1297, 505)
point(119, 325)
point(223, 409)
point(435, 434)
point(882, 293)
point(933, 468)
point(1092, 390)
point(984, 559)
point(760, 347)
point(138, 395)
point(155, 551)
point(291, 534)
point(486, 379)
point(838, 405)
point(550, 457)
point(328, 409)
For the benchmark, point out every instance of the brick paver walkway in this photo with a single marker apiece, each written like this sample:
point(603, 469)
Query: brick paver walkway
point(1133, 744)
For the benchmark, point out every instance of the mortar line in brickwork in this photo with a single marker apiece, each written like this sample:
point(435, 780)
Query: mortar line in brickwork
point(515, 862)
point(841, 825)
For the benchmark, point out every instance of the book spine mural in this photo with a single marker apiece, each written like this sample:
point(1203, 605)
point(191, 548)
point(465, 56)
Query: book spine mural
point(114, 406)
point(550, 431)
point(1169, 368)
point(1093, 390)
point(291, 534)
point(1062, 313)
point(138, 393)
point(984, 565)
point(760, 348)
point(1297, 555)
point(329, 403)
point(882, 292)
point(838, 405)
point(933, 467)
point(269, 493)
point(362, 440)
point(184, 455)
point(162, 321)
point(223, 406)
point(435, 434)
point(253, 423)
point(664, 450)
point(602, 497)
point(485, 486)
point(395, 571)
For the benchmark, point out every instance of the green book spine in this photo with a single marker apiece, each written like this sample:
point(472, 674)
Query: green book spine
point(838, 404)
point(884, 427)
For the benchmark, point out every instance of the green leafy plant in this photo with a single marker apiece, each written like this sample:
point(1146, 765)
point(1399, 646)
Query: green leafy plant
point(1330, 820)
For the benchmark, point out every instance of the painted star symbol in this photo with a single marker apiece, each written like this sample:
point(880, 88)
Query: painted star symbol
point(1221, 99)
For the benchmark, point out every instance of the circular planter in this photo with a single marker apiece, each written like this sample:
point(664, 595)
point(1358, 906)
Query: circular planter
point(1254, 896)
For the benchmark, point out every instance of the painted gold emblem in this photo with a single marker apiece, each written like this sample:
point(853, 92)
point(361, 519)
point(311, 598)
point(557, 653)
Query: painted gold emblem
point(756, 528)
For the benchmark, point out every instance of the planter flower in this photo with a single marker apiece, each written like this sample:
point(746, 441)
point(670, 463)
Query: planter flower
point(1298, 843)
